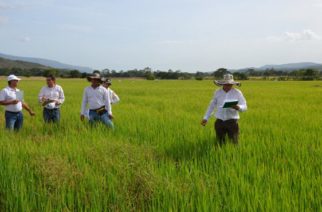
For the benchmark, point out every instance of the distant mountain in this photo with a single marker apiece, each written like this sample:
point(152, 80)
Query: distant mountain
point(292, 66)
point(46, 62)
point(6, 63)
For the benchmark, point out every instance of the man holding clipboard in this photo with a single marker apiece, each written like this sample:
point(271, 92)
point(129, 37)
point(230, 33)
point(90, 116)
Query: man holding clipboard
point(228, 101)
point(12, 98)
point(51, 98)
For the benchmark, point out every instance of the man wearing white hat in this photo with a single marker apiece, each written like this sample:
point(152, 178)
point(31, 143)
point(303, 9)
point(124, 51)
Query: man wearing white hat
point(107, 84)
point(51, 97)
point(228, 101)
point(12, 98)
point(97, 98)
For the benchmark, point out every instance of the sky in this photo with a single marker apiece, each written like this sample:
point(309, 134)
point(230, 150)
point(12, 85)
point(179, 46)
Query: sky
point(186, 35)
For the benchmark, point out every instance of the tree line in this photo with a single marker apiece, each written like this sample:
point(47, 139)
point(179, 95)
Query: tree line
point(149, 74)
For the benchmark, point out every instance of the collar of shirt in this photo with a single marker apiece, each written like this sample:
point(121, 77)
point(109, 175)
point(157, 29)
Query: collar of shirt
point(12, 89)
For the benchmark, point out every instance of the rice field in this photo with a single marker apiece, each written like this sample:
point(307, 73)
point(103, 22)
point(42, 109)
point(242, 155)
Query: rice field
point(159, 157)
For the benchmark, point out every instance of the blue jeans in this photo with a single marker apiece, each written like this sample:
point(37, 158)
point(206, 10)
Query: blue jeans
point(14, 120)
point(51, 115)
point(95, 117)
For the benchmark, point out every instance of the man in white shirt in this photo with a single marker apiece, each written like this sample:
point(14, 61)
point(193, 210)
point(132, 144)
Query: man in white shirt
point(107, 84)
point(228, 101)
point(12, 98)
point(51, 98)
point(98, 100)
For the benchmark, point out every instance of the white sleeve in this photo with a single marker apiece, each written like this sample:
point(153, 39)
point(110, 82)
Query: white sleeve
point(211, 107)
point(107, 99)
point(41, 94)
point(242, 102)
point(61, 97)
point(114, 98)
point(3, 95)
point(84, 102)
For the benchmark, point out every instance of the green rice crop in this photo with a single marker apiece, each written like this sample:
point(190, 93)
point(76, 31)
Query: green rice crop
point(159, 157)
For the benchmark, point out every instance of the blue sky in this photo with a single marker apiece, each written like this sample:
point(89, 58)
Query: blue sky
point(186, 35)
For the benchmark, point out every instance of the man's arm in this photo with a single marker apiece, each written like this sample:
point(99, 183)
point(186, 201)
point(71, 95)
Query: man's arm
point(26, 107)
point(108, 103)
point(61, 97)
point(211, 108)
point(115, 98)
point(41, 97)
point(242, 106)
point(84, 103)
point(3, 100)
point(9, 102)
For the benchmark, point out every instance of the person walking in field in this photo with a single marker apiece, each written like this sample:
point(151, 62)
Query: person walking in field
point(228, 101)
point(12, 98)
point(51, 98)
point(97, 98)
point(114, 98)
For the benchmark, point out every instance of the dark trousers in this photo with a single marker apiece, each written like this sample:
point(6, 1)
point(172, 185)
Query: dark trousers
point(51, 115)
point(229, 127)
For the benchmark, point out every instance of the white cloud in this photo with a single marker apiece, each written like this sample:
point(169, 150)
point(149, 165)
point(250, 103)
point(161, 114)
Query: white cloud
point(25, 39)
point(305, 35)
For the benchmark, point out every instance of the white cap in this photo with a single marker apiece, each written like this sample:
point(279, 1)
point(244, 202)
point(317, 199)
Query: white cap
point(13, 77)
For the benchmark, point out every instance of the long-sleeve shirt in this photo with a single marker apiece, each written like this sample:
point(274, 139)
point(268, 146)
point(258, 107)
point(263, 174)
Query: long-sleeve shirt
point(11, 94)
point(54, 93)
point(220, 97)
point(96, 98)
point(113, 96)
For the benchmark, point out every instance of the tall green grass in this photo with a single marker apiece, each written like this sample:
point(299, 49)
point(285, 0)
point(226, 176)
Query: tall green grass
point(159, 157)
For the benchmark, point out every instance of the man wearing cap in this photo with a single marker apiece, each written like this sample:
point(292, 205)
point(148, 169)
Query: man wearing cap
point(12, 98)
point(98, 100)
point(228, 101)
point(107, 84)
point(51, 98)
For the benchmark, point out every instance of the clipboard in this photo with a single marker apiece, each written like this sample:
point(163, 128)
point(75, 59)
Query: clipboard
point(228, 104)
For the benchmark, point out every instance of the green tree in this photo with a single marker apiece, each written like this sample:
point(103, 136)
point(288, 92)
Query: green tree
point(220, 73)
point(75, 74)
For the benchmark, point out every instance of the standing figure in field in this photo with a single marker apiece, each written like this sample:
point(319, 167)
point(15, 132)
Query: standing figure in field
point(114, 98)
point(97, 98)
point(228, 101)
point(51, 98)
point(12, 98)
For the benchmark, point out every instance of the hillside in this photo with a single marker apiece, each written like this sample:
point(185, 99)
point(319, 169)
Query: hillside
point(46, 62)
point(292, 66)
point(6, 63)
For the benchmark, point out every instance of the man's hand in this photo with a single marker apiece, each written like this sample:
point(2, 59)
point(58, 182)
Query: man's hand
point(32, 113)
point(46, 101)
point(14, 102)
point(204, 122)
point(56, 102)
point(110, 116)
point(82, 117)
point(236, 107)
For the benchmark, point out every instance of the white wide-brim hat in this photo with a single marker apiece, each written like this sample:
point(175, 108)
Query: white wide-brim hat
point(94, 76)
point(13, 77)
point(228, 80)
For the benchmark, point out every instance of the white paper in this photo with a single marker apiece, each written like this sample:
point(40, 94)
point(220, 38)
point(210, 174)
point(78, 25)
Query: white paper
point(19, 95)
